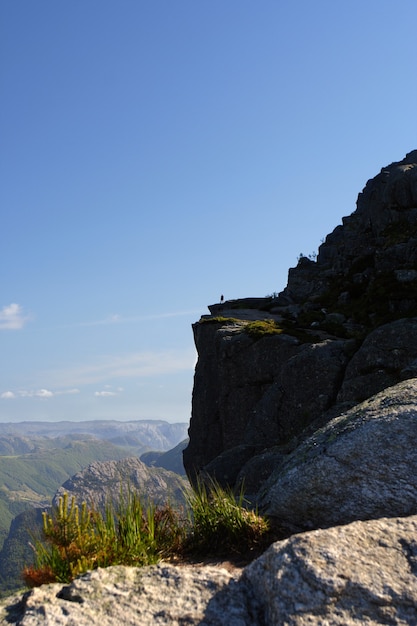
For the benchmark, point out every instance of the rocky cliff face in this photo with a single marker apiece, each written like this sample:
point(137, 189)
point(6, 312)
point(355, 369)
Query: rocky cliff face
point(271, 371)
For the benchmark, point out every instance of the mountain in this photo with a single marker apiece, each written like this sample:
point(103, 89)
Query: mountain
point(37, 457)
point(17, 549)
point(101, 482)
point(308, 401)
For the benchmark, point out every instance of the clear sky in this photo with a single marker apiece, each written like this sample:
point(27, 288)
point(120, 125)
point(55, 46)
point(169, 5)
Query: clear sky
point(156, 154)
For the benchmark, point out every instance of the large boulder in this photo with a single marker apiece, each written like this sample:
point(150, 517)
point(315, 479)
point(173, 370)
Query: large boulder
point(150, 596)
point(361, 573)
point(361, 465)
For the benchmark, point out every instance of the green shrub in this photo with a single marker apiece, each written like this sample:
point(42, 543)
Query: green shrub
point(220, 522)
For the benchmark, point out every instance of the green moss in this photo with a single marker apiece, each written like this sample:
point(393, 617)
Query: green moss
point(262, 328)
point(219, 319)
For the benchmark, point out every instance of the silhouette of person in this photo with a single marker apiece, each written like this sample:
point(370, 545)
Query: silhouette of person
point(221, 299)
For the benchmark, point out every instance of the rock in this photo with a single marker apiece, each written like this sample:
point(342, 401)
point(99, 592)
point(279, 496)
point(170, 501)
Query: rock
point(148, 596)
point(225, 468)
point(103, 481)
point(361, 573)
point(347, 318)
point(361, 465)
point(386, 356)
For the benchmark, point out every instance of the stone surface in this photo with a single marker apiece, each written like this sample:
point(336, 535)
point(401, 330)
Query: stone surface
point(361, 573)
point(257, 393)
point(361, 465)
point(149, 596)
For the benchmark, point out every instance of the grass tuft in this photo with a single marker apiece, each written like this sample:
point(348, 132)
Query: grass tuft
point(220, 522)
point(77, 540)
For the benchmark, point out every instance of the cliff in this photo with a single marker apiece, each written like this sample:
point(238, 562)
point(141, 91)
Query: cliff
point(271, 371)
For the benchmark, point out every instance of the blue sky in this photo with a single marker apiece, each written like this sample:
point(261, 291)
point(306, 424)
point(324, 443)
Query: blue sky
point(157, 154)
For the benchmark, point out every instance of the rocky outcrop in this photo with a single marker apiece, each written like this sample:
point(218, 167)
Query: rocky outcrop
point(361, 573)
point(341, 331)
point(102, 482)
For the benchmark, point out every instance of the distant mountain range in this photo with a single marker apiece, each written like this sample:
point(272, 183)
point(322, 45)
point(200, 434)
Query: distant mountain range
point(138, 434)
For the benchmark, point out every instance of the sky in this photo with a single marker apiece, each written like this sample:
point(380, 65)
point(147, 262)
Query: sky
point(157, 154)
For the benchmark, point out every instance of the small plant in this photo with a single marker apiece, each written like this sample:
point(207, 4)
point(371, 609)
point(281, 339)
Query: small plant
point(220, 522)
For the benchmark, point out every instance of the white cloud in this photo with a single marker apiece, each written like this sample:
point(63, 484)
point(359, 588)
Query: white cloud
point(12, 317)
point(43, 393)
point(39, 393)
point(104, 394)
point(7, 395)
